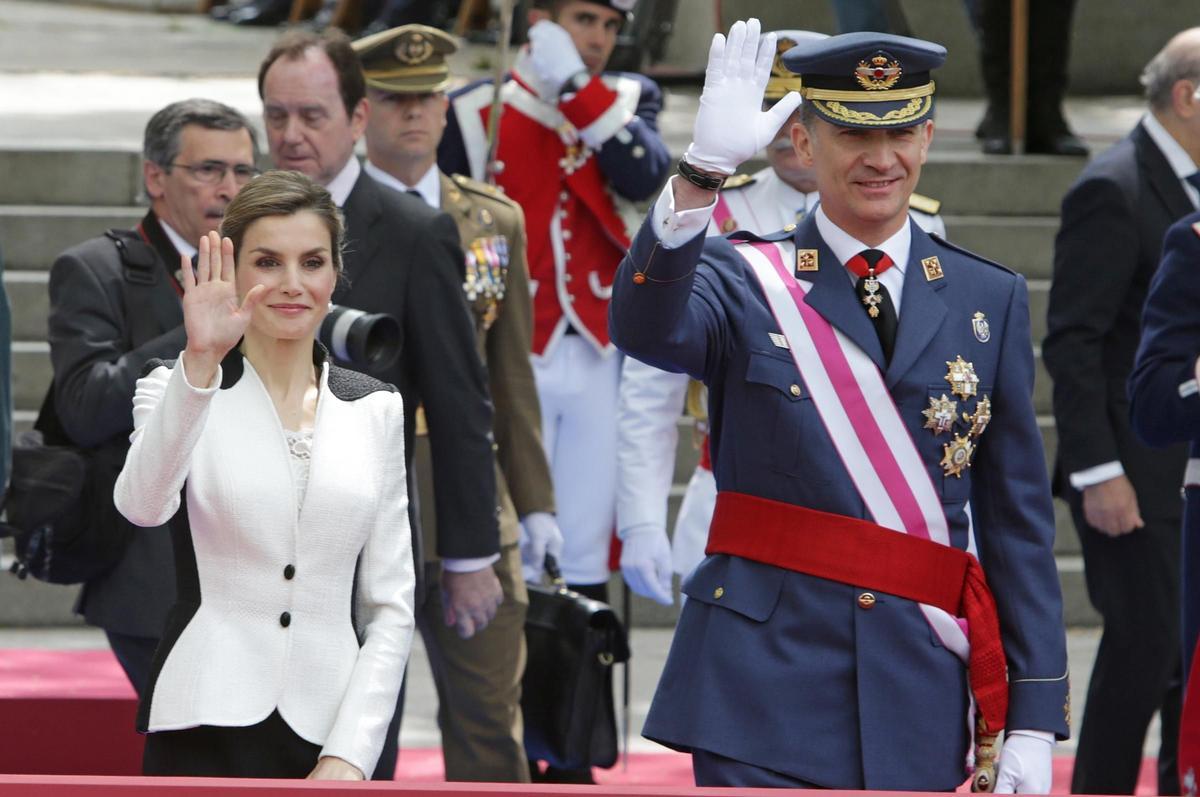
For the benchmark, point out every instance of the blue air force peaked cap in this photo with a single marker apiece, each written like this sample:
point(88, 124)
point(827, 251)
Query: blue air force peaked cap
point(865, 79)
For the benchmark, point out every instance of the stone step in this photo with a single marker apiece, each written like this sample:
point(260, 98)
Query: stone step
point(33, 235)
point(29, 297)
point(69, 176)
point(974, 184)
point(1023, 243)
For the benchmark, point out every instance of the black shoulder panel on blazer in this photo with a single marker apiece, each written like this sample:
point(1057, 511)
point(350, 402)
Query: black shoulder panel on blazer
point(156, 362)
point(232, 368)
point(350, 385)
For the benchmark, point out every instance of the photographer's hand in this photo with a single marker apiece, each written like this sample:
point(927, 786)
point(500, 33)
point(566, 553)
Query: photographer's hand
point(212, 316)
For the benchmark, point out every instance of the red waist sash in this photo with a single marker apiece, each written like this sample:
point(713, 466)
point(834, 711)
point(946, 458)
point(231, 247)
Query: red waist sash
point(860, 553)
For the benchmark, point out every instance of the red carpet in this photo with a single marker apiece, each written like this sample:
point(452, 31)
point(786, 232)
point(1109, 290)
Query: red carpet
point(73, 714)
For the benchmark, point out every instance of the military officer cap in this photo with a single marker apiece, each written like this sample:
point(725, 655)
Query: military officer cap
point(410, 59)
point(782, 79)
point(864, 79)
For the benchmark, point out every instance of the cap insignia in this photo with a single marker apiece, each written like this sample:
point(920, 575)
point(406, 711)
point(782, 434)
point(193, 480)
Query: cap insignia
point(414, 49)
point(877, 73)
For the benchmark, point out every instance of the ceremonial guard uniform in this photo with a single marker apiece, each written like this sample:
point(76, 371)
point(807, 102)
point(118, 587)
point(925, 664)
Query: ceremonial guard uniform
point(566, 158)
point(478, 680)
point(852, 469)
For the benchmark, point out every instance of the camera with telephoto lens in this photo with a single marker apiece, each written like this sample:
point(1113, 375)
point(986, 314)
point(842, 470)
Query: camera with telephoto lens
point(368, 341)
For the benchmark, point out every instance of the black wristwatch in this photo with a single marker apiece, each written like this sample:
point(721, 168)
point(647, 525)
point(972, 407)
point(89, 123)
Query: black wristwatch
point(698, 178)
point(576, 82)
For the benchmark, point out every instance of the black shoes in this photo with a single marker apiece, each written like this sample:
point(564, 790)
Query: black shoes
point(1052, 137)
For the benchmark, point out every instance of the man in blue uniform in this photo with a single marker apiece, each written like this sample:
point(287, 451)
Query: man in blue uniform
point(1164, 394)
point(873, 442)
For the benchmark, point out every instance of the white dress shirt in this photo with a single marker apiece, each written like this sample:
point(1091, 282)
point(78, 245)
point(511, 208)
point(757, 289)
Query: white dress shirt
point(429, 187)
point(341, 186)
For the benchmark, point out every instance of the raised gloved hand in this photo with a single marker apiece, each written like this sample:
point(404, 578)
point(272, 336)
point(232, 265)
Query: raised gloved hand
point(552, 55)
point(646, 563)
point(540, 535)
point(731, 125)
point(1025, 763)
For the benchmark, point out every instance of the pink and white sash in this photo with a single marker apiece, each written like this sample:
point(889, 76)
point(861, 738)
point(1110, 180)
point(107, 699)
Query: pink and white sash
point(861, 418)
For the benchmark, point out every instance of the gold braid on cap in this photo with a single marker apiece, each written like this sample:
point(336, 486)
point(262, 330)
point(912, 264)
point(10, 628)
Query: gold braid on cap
point(915, 108)
point(890, 95)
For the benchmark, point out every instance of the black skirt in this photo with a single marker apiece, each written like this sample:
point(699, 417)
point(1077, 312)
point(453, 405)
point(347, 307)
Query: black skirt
point(270, 749)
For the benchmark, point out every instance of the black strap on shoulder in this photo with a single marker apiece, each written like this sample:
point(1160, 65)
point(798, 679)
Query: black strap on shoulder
point(142, 270)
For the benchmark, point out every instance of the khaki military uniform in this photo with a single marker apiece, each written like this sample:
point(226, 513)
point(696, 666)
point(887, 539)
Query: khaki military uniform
point(479, 679)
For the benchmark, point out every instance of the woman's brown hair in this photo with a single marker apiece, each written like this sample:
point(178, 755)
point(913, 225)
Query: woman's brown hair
point(280, 193)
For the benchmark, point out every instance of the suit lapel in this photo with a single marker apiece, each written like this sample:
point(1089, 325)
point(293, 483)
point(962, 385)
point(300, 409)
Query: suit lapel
point(922, 308)
point(1161, 177)
point(165, 303)
point(832, 293)
point(362, 210)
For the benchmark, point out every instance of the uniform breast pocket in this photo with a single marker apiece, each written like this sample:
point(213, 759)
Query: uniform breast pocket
point(787, 406)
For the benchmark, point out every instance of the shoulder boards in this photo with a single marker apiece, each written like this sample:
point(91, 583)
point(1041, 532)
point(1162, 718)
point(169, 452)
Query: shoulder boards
point(482, 189)
point(925, 204)
point(735, 181)
point(974, 256)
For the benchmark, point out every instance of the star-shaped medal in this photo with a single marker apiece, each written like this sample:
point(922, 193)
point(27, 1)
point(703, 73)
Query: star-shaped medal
point(939, 417)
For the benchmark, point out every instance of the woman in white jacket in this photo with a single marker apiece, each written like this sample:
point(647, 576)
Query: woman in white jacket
point(283, 480)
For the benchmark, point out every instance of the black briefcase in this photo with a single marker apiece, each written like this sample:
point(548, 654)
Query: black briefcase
point(567, 691)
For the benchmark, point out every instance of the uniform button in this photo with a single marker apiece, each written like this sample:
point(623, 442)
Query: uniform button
point(566, 234)
point(566, 277)
point(566, 256)
point(718, 592)
point(638, 151)
point(866, 600)
point(289, 572)
point(571, 298)
point(285, 619)
point(564, 196)
point(795, 389)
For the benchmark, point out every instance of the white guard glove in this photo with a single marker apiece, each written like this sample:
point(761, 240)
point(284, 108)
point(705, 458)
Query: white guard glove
point(552, 55)
point(540, 535)
point(646, 563)
point(1025, 763)
point(731, 125)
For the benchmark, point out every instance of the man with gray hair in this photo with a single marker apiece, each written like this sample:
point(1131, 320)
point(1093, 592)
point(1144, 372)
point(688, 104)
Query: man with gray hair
point(114, 304)
point(1124, 497)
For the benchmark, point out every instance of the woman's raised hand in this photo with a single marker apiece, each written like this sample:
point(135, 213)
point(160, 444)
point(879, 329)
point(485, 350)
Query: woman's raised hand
point(212, 316)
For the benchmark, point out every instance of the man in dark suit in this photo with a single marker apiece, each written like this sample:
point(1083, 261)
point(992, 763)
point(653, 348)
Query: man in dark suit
point(402, 258)
point(114, 304)
point(1123, 496)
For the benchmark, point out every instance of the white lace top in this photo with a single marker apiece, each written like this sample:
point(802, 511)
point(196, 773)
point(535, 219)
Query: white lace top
point(300, 451)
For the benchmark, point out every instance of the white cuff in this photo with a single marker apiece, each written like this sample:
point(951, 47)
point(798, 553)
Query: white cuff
point(210, 388)
point(470, 565)
point(1045, 736)
point(1090, 477)
point(674, 229)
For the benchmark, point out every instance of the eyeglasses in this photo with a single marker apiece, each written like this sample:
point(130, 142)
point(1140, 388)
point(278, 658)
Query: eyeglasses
point(214, 171)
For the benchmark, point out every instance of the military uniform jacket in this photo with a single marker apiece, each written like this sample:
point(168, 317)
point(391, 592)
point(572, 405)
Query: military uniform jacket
point(563, 163)
point(790, 672)
point(496, 285)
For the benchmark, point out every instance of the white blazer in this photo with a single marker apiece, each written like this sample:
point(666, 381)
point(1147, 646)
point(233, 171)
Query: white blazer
point(230, 655)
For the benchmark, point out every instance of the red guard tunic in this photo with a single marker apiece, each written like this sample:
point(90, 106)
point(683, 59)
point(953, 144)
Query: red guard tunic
point(551, 160)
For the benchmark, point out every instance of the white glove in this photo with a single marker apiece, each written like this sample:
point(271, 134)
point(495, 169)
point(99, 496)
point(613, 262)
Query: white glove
point(646, 563)
point(552, 54)
point(731, 125)
point(540, 535)
point(1025, 763)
